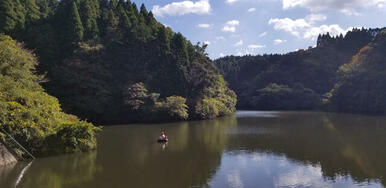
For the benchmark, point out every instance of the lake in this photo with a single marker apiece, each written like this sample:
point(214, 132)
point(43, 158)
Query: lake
point(250, 149)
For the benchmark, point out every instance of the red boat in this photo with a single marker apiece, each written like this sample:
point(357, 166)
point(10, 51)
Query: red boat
point(165, 139)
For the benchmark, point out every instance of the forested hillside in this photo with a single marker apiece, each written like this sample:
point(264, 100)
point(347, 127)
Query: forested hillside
point(109, 62)
point(361, 84)
point(298, 80)
point(30, 115)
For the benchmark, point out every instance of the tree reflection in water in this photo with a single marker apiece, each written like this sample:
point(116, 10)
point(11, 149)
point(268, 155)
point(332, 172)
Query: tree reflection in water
point(270, 149)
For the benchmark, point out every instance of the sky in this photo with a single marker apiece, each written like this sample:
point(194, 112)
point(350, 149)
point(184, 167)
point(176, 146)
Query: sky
point(240, 27)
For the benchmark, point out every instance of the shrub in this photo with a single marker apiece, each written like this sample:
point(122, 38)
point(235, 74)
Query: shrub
point(30, 115)
point(174, 107)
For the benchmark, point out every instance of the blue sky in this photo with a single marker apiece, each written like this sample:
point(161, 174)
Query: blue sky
point(239, 27)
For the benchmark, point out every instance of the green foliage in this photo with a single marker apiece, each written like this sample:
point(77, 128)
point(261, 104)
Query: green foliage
point(75, 26)
point(104, 53)
point(301, 77)
point(47, 7)
point(360, 87)
point(29, 114)
point(175, 107)
point(210, 108)
point(32, 11)
point(136, 96)
point(283, 97)
point(12, 17)
point(90, 13)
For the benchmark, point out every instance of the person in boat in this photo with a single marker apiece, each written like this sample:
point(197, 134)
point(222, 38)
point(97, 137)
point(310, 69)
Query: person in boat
point(163, 136)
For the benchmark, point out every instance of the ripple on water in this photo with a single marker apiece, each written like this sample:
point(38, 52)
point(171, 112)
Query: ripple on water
point(261, 114)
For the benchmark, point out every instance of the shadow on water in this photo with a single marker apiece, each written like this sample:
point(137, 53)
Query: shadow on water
point(271, 149)
point(129, 156)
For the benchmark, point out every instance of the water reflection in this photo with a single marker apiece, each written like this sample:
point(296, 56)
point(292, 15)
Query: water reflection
point(239, 170)
point(341, 145)
point(264, 149)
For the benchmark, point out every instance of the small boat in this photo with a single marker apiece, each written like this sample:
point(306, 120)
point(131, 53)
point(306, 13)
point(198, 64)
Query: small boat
point(160, 139)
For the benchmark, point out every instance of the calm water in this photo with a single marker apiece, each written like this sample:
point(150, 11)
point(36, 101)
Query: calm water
point(253, 149)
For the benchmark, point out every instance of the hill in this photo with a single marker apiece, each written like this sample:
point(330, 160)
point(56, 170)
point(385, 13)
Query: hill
point(361, 83)
point(110, 62)
point(295, 81)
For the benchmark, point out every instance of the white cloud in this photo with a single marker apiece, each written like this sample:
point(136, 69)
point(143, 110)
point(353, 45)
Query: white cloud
point(305, 176)
point(251, 9)
point(183, 7)
point(230, 26)
point(233, 22)
point(204, 25)
point(306, 27)
point(242, 52)
point(234, 180)
point(250, 50)
point(279, 41)
point(230, 1)
point(221, 55)
point(239, 43)
point(312, 18)
point(263, 34)
point(207, 42)
point(333, 30)
point(345, 6)
point(289, 25)
point(231, 29)
point(255, 46)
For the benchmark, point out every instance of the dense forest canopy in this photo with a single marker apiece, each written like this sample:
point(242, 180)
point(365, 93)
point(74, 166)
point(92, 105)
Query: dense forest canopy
point(304, 79)
point(109, 61)
point(361, 84)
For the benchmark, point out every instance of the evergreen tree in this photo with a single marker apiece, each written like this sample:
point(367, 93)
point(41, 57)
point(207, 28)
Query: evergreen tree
point(32, 11)
point(104, 17)
point(47, 7)
point(143, 10)
point(12, 17)
point(124, 22)
point(145, 14)
point(121, 3)
point(75, 27)
point(181, 58)
point(112, 21)
point(130, 13)
point(90, 13)
point(113, 4)
point(163, 40)
point(135, 9)
point(179, 49)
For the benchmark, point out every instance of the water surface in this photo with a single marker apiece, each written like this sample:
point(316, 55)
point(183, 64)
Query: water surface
point(251, 149)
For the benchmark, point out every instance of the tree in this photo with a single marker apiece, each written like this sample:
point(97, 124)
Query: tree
point(12, 17)
point(113, 4)
point(104, 17)
point(29, 114)
point(136, 95)
point(163, 42)
point(124, 22)
point(47, 7)
point(90, 13)
point(95, 47)
point(75, 26)
point(32, 11)
point(179, 49)
point(175, 107)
